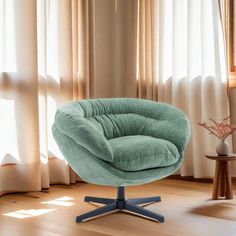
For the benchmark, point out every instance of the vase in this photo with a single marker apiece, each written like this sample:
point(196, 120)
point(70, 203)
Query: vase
point(222, 148)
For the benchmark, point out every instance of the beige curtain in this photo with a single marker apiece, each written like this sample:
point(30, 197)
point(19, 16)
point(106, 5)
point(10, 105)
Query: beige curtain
point(46, 58)
point(225, 11)
point(52, 51)
point(124, 49)
point(19, 139)
point(227, 16)
point(146, 49)
point(176, 53)
point(65, 59)
point(140, 71)
point(192, 72)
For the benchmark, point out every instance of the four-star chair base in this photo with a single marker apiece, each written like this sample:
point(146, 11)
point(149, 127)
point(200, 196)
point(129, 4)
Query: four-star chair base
point(130, 205)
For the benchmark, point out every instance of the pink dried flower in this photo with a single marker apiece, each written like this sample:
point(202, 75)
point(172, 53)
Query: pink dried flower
point(220, 129)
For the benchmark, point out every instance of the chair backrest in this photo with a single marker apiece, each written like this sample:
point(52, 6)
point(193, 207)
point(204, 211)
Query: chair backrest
point(117, 117)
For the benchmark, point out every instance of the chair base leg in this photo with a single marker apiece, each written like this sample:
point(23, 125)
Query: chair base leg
point(119, 204)
point(105, 201)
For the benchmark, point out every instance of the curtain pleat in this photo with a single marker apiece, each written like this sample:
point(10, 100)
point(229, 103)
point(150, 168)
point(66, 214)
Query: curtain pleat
point(146, 58)
point(66, 71)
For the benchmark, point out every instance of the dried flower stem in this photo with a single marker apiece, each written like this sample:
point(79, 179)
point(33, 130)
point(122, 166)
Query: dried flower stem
point(221, 130)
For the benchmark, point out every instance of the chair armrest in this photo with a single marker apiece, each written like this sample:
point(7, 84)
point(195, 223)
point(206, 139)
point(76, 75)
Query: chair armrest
point(85, 134)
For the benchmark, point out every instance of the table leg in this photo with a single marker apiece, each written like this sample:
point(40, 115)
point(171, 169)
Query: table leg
point(229, 191)
point(216, 180)
point(222, 189)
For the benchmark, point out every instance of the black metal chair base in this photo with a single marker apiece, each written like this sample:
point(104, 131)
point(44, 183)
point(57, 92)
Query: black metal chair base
point(130, 205)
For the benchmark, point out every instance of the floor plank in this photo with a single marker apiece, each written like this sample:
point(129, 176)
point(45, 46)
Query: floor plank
point(186, 205)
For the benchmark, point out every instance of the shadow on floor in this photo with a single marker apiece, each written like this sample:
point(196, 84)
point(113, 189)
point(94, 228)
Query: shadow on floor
point(226, 211)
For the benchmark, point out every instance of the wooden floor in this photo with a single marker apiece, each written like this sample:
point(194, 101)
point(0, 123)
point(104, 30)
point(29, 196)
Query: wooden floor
point(186, 206)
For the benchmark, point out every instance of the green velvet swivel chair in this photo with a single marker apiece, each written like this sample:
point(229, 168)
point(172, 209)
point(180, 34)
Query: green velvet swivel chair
point(121, 142)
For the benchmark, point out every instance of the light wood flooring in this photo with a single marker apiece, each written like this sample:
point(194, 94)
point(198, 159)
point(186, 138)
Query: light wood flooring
point(186, 206)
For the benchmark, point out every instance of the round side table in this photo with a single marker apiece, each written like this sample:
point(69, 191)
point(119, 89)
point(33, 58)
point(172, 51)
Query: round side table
point(222, 186)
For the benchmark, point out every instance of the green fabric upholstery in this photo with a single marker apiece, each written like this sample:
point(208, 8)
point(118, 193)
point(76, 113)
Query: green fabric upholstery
point(139, 152)
point(85, 134)
point(121, 141)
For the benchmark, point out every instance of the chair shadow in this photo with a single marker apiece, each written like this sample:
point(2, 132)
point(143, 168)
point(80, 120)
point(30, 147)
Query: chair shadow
point(223, 210)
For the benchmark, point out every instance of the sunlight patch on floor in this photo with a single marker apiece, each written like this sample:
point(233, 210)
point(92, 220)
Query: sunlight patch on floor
point(22, 214)
point(62, 201)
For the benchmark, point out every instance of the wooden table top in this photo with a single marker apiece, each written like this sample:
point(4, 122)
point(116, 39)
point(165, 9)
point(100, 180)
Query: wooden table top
point(214, 156)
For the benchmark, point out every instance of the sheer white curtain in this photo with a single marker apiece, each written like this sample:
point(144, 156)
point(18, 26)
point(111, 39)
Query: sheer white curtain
point(55, 82)
point(192, 72)
point(19, 150)
point(43, 63)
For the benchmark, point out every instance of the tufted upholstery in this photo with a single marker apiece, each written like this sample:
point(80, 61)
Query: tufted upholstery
point(121, 141)
point(139, 152)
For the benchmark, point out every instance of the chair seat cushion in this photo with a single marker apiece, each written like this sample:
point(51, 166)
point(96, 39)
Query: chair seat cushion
point(139, 152)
